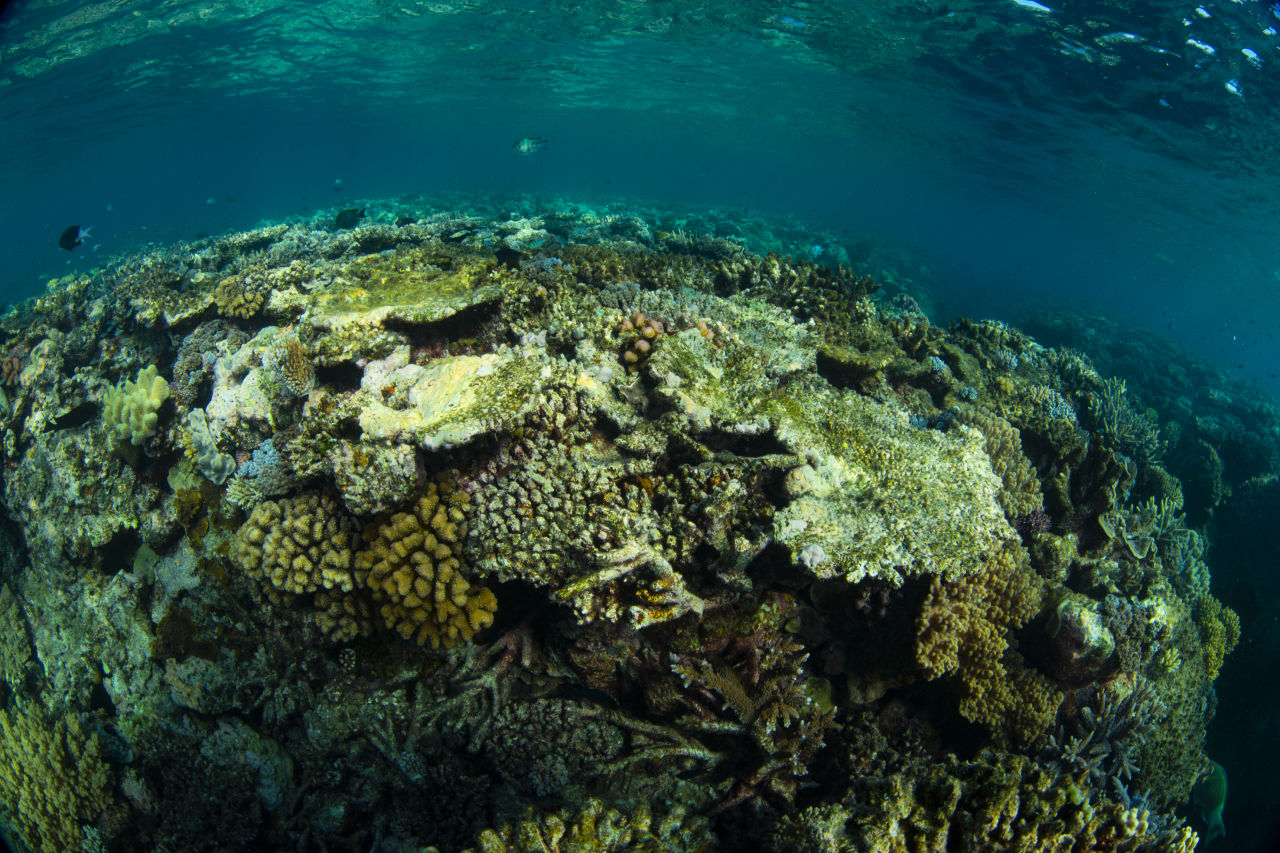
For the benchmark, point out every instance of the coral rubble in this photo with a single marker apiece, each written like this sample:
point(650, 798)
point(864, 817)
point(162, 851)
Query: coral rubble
point(589, 529)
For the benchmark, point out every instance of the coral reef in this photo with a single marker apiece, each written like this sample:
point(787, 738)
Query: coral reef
point(130, 411)
point(56, 784)
point(776, 555)
point(410, 562)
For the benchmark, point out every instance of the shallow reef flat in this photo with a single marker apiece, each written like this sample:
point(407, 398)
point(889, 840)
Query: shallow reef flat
point(585, 529)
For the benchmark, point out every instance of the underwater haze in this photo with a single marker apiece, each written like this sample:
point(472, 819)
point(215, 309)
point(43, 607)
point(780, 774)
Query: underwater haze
point(1028, 250)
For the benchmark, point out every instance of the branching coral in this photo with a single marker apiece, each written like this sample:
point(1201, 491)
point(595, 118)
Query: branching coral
point(411, 563)
point(593, 828)
point(964, 631)
point(53, 779)
point(1020, 489)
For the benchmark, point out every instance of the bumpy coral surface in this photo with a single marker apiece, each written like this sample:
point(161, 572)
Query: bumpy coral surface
point(131, 409)
point(564, 527)
point(298, 545)
point(410, 562)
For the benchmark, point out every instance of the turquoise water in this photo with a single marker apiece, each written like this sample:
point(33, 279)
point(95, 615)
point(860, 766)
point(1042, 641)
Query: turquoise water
point(1121, 158)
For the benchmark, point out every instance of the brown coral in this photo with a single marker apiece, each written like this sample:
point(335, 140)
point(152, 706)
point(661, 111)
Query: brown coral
point(289, 364)
point(411, 564)
point(963, 631)
point(1020, 487)
point(242, 295)
point(53, 780)
point(299, 544)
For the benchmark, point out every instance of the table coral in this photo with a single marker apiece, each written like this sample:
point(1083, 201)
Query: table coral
point(411, 563)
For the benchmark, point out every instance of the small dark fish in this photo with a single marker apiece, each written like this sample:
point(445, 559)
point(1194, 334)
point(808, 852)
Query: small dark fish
point(350, 217)
point(529, 145)
point(402, 221)
point(72, 236)
point(509, 257)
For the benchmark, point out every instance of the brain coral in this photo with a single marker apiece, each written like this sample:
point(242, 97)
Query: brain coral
point(131, 409)
point(411, 564)
point(300, 544)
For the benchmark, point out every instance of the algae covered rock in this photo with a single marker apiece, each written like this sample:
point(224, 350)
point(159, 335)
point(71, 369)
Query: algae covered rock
point(449, 401)
point(880, 498)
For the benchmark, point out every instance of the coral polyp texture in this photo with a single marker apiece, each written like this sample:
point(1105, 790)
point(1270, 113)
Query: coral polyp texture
point(593, 528)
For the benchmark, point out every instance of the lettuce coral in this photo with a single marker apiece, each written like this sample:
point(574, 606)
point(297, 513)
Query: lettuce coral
point(131, 409)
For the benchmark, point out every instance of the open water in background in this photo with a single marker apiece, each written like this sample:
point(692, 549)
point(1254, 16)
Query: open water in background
point(1119, 155)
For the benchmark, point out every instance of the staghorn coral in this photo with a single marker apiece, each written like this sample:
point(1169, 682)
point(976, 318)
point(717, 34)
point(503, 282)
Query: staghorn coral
point(299, 544)
point(411, 563)
point(593, 828)
point(1121, 426)
point(130, 411)
point(964, 631)
point(545, 745)
point(54, 781)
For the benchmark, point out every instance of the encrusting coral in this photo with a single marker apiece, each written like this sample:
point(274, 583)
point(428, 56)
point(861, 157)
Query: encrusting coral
point(410, 562)
point(131, 409)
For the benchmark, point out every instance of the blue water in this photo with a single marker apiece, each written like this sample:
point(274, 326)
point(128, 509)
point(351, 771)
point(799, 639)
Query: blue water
point(1121, 156)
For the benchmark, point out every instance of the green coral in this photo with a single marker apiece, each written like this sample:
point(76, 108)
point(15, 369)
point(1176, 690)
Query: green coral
point(595, 828)
point(53, 780)
point(130, 411)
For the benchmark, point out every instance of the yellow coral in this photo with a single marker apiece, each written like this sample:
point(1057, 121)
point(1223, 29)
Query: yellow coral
point(1219, 632)
point(131, 409)
point(238, 297)
point(53, 780)
point(963, 631)
point(411, 564)
point(595, 827)
point(290, 365)
point(299, 545)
